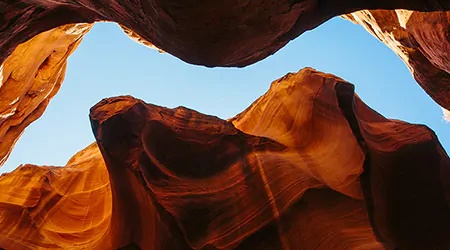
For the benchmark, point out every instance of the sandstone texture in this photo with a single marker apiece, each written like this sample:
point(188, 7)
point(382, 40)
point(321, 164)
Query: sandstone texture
point(30, 77)
point(405, 174)
point(211, 33)
point(36, 37)
point(420, 39)
point(56, 207)
point(307, 166)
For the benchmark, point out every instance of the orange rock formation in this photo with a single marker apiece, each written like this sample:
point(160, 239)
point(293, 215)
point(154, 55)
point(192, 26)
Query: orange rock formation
point(219, 33)
point(240, 34)
point(307, 166)
point(56, 207)
point(30, 77)
point(420, 39)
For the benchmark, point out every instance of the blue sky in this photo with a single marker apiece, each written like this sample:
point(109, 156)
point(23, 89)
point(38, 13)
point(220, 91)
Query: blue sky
point(108, 63)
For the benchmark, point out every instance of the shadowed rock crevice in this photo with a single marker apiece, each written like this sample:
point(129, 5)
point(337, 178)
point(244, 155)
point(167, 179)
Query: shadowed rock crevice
point(326, 172)
point(388, 198)
point(307, 166)
point(212, 33)
point(345, 94)
point(406, 171)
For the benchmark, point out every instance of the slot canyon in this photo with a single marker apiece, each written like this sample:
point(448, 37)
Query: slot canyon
point(308, 165)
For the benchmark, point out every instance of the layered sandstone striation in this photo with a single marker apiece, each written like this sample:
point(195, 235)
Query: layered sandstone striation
point(404, 165)
point(307, 166)
point(30, 77)
point(56, 207)
point(217, 33)
point(405, 181)
point(420, 39)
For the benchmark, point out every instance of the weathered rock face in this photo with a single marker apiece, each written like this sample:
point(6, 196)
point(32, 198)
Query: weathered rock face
point(421, 39)
point(217, 33)
point(304, 129)
point(56, 208)
point(405, 166)
point(324, 172)
point(307, 166)
point(30, 77)
point(218, 184)
point(405, 182)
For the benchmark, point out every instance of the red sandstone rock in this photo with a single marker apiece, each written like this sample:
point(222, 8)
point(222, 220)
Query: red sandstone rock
point(406, 182)
point(326, 172)
point(420, 39)
point(307, 166)
point(30, 77)
point(211, 33)
point(56, 207)
point(406, 175)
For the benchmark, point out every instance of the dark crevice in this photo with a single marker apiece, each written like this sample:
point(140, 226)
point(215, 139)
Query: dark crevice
point(345, 93)
point(293, 2)
point(345, 97)
point(44, 65)
point(131, 246)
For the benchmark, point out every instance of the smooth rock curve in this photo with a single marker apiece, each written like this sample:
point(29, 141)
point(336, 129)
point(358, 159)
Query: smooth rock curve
point(219, 33)
point(30, 77)
point(327, 173)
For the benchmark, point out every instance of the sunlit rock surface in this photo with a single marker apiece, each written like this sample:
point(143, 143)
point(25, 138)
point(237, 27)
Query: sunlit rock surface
point(30, 77)
point(56, 207)
point(135, 37)
point(211, 33)
point(405, 166)
point(299, 111)
point(446, 115)
point(307, 166)
point(421, 39)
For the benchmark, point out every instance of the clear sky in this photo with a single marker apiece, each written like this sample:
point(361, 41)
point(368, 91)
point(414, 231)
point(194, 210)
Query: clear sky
point(108, 63)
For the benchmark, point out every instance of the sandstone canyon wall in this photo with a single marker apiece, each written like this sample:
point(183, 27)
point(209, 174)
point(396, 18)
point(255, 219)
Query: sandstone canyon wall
point(30, 77)
point(218, 33)
point(420, 39)
point(54, 207)
point(307, 166)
